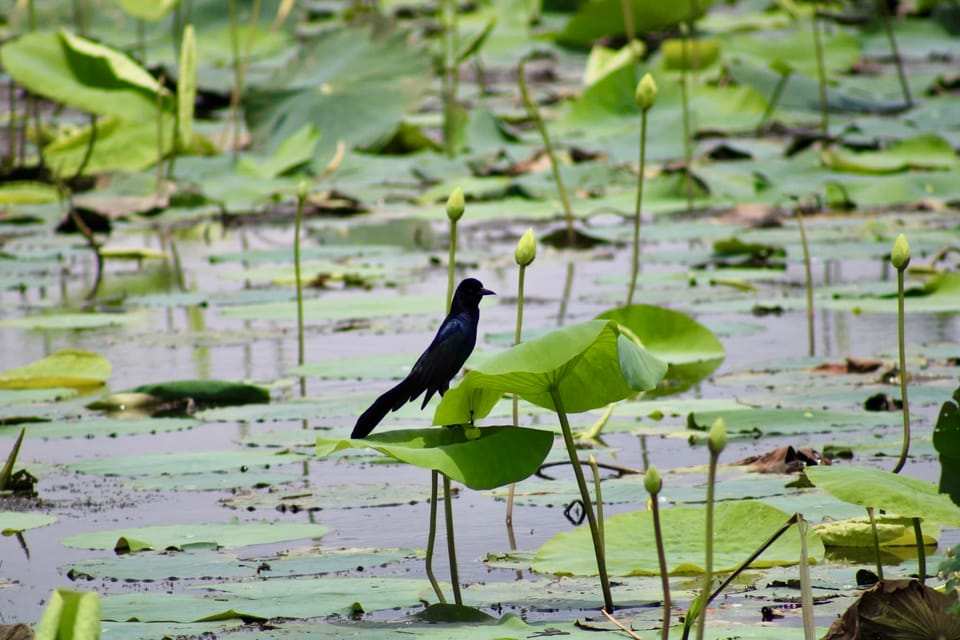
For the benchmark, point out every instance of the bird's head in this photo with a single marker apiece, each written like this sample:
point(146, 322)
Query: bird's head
point(470, 291)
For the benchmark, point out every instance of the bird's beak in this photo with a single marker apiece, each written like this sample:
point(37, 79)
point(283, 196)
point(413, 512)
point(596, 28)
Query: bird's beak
point(486, 292)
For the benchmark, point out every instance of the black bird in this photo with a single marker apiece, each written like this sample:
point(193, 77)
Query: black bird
point(439, 363)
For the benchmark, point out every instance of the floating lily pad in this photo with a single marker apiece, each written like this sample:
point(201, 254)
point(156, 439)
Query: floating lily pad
point(227, 534)
point(186, 462)
point(631, 549)
point(12, 522)
point(67, 368)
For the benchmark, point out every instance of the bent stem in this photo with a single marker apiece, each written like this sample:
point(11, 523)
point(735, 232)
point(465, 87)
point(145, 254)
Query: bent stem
point(905, 446)
point(432, 537)
point(534, 114)
point(637, 209)
point(451, 547)
point(585, 498)
point(895, 52)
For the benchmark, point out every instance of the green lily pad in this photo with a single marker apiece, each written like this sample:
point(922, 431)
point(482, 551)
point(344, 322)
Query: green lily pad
point(739, 529)
point(580, 361)
point(897, 494)
point(12, 522)
point(226, 534)
point(925, 152)
point(186, 462)
point(109, 428)
point(71, 368)
point(202, 392)
point(493, 457)
point(891, 531)
point(331, 496)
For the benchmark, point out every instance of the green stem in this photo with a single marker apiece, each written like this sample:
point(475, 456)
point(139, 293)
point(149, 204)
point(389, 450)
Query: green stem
point(637, 209)
point(599, 493)
point(565, 298)
point(685, 103)
point(821, 75)
point(905, 447)
point(432, 536)
point(895, 52)
point(662, 560)
point(451, 265)
point(516, 399)
point(806, 595)
point(451, 545)
point(774, 99)
point(708, 563)
point(89, 150)
point(876, 542)
point(585, 498)
point(301, 346)
point(11, 123)
point(809, 277)
point(921, 551)
point(534, 114)
point(159, 184)
point(447, 89)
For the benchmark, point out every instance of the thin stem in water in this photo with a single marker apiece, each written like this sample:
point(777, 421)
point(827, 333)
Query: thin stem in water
point(821, 74)
point(806, 594)
point(662, 560)
point(516, 398)
point(451, 264)
point(921, 551)
point(708, 563)
point(905, 446)
point(451, 546)
point(876, 542)
point(432, 536)
point(637, 209)
point(301, 347)
point(585, 498)
point(895, 52)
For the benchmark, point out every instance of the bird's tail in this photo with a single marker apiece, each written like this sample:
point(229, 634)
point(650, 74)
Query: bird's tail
point(389, 401)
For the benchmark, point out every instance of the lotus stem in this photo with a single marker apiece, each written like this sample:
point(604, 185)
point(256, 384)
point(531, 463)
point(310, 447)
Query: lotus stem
point(716, 443)
point(811, 345)
point(448, 9)
point(88, 152)
point(451, 545)
point(876, 542)
point(653, 484)
point(302, 192)
point(895, 52)
point(6, 473)
point(534, 114)
point(774, 99)
point(585, 498)
point(599, 493)
point(637, 210)
point(11, 122)
point(821, 74)
point(516, 399)
point(159, 186)
point(565, 298)
point(900, 257)
point(432, 537)
point(921, 551)
point(685, 103)
point(806, 595)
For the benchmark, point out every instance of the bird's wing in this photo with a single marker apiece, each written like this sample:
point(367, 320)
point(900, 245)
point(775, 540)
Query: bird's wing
point(444, 357)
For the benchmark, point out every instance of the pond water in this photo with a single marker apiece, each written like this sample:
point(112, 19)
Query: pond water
point(170, 341)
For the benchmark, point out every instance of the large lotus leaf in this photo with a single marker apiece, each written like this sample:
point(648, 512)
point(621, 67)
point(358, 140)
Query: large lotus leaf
point(81, 73)
point(71, 368)
point(350, 86)
point(795, 48)
point(599, 19)
point(119, 145)
point(498, 456)
point(226, 534)
point(589, 364)
point(692, 350)
point(739, 530)
point(928, 151)
point(896, 494)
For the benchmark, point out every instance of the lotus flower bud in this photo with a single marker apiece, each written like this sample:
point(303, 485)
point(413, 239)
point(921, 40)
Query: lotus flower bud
point(900, 256)
point(455, 205)
point(303, 190)
point(526, 249)
point(717, 440)
point(646, 94)
point(651, 480)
